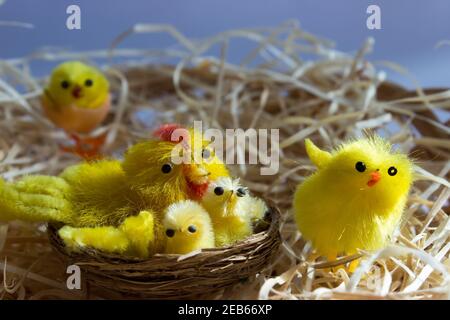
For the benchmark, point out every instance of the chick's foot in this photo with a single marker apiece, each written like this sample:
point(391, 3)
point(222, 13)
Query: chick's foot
point(87, 148)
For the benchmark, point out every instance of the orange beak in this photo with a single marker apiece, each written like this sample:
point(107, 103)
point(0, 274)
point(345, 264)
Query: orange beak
point(76, 92)
point(374, 178)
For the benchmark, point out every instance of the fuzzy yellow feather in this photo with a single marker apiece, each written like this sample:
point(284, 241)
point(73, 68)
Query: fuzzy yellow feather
point(99, 194)
point(355, 199)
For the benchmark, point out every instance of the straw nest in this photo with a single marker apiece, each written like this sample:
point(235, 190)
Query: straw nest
point(291, 80)
point(178, 276)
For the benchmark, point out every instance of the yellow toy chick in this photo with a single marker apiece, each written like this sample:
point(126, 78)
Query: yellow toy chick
point(188, 228)
point(355, 199)
point(232, 210)
point(105, 192)
point(77, 100)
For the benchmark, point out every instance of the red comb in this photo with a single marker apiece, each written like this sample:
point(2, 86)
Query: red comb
point(165, 133)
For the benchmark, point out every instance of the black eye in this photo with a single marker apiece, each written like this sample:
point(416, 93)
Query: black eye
point(392, 171)
point(241, 192)
point(170, 233)
point(218, 191)
point(206, 153)
point(88, 83)
point(65, 84)
point(360, 166)
point(192, 229)
point(166, 168)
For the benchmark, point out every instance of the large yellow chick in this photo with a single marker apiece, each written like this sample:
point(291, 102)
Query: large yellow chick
point(355, 199)
point(105, 192)
point(158, 173)
point(77, 100)
point(188, 228)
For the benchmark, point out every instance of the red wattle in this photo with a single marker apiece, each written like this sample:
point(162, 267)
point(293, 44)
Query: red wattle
point(196, 191)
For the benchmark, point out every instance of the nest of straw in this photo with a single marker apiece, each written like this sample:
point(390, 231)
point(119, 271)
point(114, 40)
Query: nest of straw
point(172, 276)
point(290, 80)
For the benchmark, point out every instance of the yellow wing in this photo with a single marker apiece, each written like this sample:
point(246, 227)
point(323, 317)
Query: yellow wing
point(35, 198)
point(319, 157)
point(106, 239)
point(136, 236)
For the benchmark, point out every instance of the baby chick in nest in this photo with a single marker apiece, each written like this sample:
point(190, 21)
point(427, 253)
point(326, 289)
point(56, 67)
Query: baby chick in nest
point(188, 227)
point(232, 210)
point(355, 199)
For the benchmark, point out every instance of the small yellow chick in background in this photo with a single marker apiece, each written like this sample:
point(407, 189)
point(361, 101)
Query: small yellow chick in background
point(138, 236)
point(188, 227)
point(77, 100)
point(356, 198)
point(232, 210)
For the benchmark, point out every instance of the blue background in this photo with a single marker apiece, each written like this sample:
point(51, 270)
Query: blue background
point(410, 29)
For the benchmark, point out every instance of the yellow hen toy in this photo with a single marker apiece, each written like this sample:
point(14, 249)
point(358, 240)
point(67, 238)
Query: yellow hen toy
point(355, 199)
point(77, 100)
point(105, 192)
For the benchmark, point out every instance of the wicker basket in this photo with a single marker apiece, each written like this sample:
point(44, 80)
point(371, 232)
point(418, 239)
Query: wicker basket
point(165, 276)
